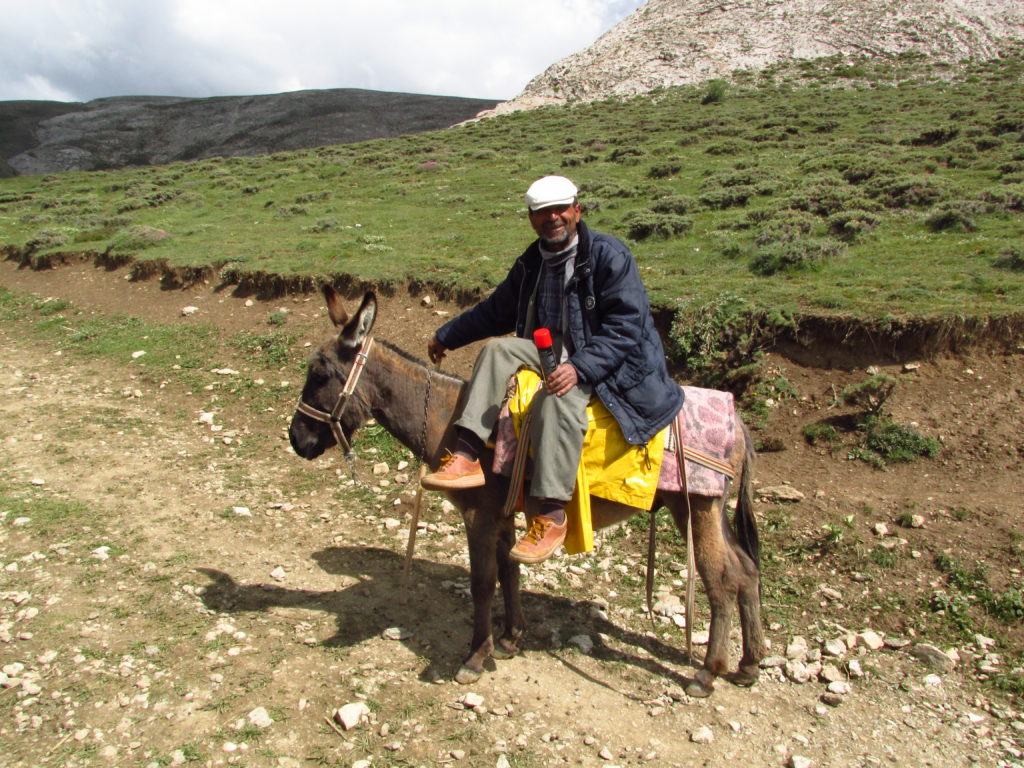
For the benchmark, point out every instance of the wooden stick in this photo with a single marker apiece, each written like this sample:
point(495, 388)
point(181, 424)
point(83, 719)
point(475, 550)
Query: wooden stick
point(414, 525)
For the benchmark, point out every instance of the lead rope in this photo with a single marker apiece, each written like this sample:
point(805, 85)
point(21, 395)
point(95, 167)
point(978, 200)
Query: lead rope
point(414, 522)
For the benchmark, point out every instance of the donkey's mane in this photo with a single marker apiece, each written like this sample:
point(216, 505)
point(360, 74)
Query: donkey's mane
point(413, 359)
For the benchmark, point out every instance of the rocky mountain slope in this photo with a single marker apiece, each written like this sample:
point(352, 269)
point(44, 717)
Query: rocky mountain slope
point(44, 137)
point(677, 42)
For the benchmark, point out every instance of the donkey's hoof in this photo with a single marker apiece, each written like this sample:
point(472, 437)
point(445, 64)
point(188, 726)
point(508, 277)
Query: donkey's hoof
point(746, 676)
point(504, 649)
point(465, 675)
point(702, 685)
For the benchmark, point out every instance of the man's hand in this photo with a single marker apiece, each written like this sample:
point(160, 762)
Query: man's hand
point(436, 351)
point(562, 379)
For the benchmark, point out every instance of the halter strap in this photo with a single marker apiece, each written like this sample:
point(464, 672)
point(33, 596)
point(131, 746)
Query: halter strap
point(333, 419)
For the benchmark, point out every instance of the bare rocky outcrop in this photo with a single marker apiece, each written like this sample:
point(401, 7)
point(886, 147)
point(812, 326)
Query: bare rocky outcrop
point(678, 42)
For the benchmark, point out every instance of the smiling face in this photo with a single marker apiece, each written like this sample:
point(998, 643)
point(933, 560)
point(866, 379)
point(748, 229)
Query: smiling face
point(556, 224)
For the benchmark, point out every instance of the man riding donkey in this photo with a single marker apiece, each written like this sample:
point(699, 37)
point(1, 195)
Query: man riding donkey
point(585, 288)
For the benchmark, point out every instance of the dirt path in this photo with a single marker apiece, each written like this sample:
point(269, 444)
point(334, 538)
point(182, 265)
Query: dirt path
point(182, 589)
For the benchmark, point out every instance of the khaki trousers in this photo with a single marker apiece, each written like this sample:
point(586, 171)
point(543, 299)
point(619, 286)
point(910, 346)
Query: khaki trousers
point(558, 425)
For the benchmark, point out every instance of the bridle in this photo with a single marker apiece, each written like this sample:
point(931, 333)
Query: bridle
point(333, 418)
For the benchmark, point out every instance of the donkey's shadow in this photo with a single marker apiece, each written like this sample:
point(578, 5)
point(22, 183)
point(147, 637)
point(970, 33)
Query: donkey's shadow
point(380, 599)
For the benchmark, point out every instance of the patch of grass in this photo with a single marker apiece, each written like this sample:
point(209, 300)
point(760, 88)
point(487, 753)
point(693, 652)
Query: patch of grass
point(858, 180)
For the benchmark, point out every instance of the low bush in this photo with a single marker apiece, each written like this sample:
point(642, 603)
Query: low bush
point(850, 225)
point(795, 256)
point(641, 224)
point(1010, 258)
point(952, 215)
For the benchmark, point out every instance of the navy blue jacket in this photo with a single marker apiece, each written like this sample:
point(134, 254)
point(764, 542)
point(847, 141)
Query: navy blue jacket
point(617, 349)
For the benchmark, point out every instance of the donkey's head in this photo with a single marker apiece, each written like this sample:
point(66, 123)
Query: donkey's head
point(311, 431)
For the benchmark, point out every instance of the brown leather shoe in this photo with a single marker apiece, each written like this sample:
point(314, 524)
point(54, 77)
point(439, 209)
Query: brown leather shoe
point(456, 473)
point(540, 541)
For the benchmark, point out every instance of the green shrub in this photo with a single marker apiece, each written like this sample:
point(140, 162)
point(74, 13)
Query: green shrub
point(1009, 197)
point(870, 395)
point(643, 224)
point(795, 256)
point(904, 191)
point(787, 225)
point(136, 238)
point(1010, 258)
point(850, 225)
point(677, 204)
point(727, 197)
point(663, 170)
point(820, 432)
point(952, 215)
point(894, 442)
point(714, 93)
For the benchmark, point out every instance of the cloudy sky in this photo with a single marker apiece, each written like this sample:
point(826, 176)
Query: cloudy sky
point(77, 50)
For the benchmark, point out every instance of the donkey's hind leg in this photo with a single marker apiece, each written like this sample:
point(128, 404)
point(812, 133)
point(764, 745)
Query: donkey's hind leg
point(716, 564)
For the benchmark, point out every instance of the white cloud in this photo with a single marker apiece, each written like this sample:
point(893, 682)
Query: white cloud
point(480, 48)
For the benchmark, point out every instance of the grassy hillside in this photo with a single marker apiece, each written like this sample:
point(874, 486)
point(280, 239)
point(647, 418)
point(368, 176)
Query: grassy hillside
point(880, 190)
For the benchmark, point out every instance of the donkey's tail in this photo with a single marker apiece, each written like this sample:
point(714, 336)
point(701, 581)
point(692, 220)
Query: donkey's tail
point(746, 525)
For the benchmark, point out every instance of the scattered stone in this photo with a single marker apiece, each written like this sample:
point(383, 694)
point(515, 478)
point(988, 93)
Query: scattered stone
point(984, 642)
point(780, 493)
point(796, 761)
point(835, 647)
point(797, 672)
point(830, 673)
point(854, 670)
point(702, 735)
point(260, 718)
point(932, 680)
point(350, 715)
point(832, 594)
point(472, 700)
point(797, 649)
point(427, 301)
point(770, 662)
point(840, 687)
point(668, 605)
point(880, 529)
point(605, 754)
point(871, 639)
point(225, 371)
point(896, 643)
point(396, 633)
point(186, 311)
point(278, 574)
point(832, 699)
point(242, 511)
point(583, 642)
point(932, 657)
point(381, 468)
point(136, 355)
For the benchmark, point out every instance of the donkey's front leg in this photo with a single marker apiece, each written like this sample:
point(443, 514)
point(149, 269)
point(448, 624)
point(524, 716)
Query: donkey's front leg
point(482, 534)
point(508, 573)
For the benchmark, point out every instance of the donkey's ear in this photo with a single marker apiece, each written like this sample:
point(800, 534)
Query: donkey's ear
point(358, 328)
point(335, 311)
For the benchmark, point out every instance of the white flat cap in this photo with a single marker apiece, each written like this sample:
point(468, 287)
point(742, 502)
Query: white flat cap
point(550, 190)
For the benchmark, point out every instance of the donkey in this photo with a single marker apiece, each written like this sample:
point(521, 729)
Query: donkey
point(351, 378)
